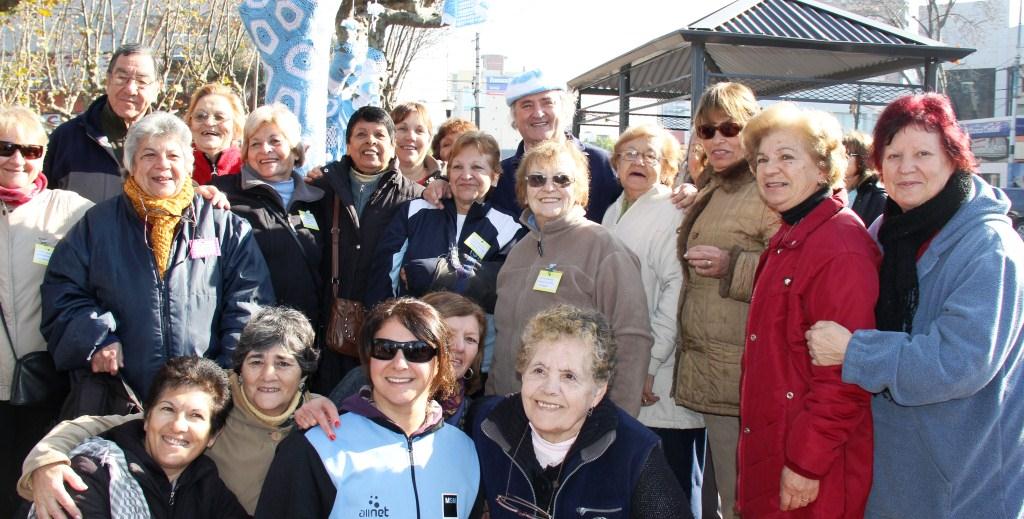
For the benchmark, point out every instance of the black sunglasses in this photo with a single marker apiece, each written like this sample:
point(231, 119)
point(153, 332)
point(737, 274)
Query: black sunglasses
point(727, 129)
point(29, 151)
point(540, 180)
point(413, 351)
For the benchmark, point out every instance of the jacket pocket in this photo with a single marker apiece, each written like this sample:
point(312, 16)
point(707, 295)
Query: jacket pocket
point(598, 512)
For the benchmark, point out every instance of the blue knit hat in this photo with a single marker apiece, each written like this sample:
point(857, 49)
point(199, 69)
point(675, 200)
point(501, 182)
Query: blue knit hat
point(529, 83)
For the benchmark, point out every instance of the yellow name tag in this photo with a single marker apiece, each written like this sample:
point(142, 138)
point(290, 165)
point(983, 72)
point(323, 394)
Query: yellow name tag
point(478, 245)
point(547, 281)
point(41, 254)
point(308, 220)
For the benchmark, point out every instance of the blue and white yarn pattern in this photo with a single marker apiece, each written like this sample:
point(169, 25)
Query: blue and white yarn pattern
point(294, 41)
point(356, 75)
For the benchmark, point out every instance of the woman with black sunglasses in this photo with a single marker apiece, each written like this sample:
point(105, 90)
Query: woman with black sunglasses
point(32, 220)
point(394, 455)
point(719, 243)
point(568, 259)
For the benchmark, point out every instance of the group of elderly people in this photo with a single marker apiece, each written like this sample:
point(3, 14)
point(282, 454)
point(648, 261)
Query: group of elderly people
point(843, 350)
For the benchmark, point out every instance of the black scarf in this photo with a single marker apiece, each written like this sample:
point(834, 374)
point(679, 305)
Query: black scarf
point(901, 236)
point(796, 213)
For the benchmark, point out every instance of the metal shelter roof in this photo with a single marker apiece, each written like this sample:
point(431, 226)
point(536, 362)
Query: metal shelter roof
point(801, 50)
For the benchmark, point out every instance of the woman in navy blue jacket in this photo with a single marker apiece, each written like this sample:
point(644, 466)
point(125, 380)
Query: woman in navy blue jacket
point(459, 247)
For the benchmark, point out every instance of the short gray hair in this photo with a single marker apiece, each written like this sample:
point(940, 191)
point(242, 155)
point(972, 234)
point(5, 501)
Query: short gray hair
point(273, 326)
point(129, 49)
point(571, 322)
point(158, 124)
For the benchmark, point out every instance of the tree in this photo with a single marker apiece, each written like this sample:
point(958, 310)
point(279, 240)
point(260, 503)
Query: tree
point(53, 53)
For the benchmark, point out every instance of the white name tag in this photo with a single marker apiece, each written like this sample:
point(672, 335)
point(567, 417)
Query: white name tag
point(41, 254)
point(308, 220)
point(478, 245)
point(204, 248)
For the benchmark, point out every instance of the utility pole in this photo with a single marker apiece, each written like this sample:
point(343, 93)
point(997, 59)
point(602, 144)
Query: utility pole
point(476, 84)
point(1011, 165)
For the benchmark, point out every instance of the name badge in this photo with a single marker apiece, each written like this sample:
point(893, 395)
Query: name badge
point(200, 248)
point(41, 254)
point(548, 280)
point(478, 245)
point(450, 506)
point(308, 220)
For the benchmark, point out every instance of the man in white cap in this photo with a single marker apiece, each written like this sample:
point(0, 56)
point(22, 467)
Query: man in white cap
point(542, 109)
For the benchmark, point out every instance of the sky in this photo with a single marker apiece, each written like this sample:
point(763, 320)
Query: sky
point(568, 37)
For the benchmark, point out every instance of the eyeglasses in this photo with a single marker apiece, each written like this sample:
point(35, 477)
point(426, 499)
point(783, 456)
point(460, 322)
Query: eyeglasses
point(649, 157)
point(203, 116)
point(29, 151)
point(521, 507)
point(541, 180)
point(727, 129)
point(413, 351)
point(121, 80)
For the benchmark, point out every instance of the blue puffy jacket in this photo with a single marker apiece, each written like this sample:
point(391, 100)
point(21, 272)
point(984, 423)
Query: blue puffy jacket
point(102, 286)
point(80, 159)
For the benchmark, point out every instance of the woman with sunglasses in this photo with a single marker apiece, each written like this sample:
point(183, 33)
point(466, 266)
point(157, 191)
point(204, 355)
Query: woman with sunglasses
point(560, 447)
point(719, 243)
point(155, 273)
point(566, 258)
point(394, 455)
point(32, 220)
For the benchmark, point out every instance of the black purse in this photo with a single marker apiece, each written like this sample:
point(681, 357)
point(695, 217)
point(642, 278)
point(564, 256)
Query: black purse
point(36, 380)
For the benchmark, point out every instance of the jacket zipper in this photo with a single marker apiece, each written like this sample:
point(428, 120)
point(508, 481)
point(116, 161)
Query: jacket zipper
point(412, 470)
point(561, 485)
point(174, 488)
point(533, 493)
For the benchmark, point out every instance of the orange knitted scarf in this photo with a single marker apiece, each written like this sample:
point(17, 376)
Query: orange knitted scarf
point(162, 216)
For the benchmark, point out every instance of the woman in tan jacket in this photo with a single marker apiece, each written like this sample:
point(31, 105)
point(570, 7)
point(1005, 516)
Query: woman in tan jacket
point(719, 243)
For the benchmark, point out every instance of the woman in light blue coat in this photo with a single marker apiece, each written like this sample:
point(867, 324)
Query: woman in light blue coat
point(945, 363)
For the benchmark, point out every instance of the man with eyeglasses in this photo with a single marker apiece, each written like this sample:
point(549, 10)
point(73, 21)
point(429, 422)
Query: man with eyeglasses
point(542, 108)
point(85, 154)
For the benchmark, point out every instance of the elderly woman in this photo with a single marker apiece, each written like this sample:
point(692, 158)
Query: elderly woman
point(215, 116)
point(806, 443)
point(867, 198)
point(362, 193)
point(394, 455)
point(719, 242)
point(946, 359)
point(413, 131)
point(154, 465)
point(284, 212)
point(153, 274)
point(447, 134)
point(646, 159)
point(32, 220)
point(566, 258)
point(274, 358)
point(460, 247)
point(560, 448)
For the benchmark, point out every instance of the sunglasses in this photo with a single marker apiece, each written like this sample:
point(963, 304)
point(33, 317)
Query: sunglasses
point(413, 351)
point(540, 180)
point(29, 151)
point(727, 129)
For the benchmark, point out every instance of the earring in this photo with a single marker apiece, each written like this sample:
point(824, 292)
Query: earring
point(469, 374)
point(590, 411)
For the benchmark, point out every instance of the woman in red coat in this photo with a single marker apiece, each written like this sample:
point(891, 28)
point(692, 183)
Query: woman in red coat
point(805, 443)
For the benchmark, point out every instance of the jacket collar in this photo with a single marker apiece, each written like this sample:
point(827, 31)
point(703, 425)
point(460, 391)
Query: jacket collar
point(790, 237)
point(131, 437)
point(338, 177)
point(521, 149)
point(303, 192)
point(733, 178)
point(362, 404)
point(571, 220)
point(508, 426)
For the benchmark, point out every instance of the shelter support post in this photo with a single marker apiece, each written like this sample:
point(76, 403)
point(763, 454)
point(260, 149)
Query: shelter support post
point(624, 98)
point(931, 75)
point(698, 76)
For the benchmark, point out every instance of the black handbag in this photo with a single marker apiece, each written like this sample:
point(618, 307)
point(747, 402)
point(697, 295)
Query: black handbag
point(36, 380)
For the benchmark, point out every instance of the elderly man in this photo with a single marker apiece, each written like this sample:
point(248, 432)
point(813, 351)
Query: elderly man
point(85, 153)
point(542, 109)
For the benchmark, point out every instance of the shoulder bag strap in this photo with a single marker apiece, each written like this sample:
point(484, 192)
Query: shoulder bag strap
point(335, 231)
point(10, 340)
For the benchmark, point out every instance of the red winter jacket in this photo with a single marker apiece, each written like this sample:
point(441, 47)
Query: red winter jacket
point(792, 413)
point(229, 162)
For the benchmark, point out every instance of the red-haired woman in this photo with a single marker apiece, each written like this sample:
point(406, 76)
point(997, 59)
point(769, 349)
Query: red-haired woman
point(946, 360)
